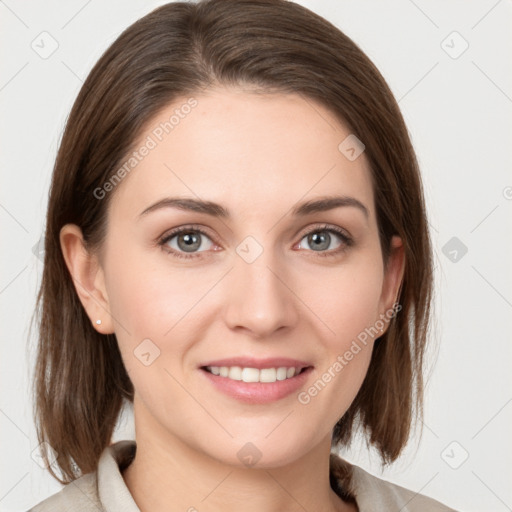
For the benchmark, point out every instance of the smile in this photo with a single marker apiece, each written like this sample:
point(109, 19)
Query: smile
point(257, 386)
point(254, 374)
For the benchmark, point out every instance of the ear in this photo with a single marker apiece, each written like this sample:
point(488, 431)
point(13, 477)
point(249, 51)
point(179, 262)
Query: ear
point(393, 275)
point(88, 278)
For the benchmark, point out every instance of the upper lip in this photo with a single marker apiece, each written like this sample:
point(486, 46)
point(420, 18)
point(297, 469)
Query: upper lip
point(249, 362)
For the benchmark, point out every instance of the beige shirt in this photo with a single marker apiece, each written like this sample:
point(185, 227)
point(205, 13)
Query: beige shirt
point(105, 490)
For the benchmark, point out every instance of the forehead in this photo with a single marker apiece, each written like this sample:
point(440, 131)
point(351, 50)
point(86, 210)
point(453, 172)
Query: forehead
point(250, 151)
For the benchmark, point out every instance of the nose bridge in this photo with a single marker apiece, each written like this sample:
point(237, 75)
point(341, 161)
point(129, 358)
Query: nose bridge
point(259, 299)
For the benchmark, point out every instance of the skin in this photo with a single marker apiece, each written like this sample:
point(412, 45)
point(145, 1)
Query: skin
point(258, 156)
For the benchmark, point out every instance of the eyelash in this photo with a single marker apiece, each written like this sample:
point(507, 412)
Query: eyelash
point(347, 241)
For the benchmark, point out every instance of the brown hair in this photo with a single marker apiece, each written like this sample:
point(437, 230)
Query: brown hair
point(180, 49)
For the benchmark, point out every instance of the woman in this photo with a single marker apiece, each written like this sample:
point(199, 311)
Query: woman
point(237, 244)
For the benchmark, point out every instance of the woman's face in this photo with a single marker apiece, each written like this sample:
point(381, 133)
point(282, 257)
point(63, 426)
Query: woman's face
point(255, 285)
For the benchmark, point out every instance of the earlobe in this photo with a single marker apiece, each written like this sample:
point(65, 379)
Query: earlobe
point(393, 277)
point(88, 278)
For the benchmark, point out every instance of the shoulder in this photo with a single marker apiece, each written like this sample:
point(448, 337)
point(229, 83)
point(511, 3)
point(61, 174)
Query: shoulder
point(374, 490)
point(80, 495)
point(103, 490)
point(371, 491)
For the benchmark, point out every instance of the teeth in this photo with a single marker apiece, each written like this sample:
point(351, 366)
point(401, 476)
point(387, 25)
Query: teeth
point(254, 374)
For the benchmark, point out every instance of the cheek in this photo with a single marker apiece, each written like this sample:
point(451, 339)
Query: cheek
point(148, 297)
point(150, 308)
point(345, 299)
point(346, 304)
point(156, 302)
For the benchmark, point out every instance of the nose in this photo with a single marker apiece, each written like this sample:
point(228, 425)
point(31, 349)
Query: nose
point(260, 296)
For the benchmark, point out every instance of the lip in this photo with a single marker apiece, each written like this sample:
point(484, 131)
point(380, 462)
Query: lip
point(257, 392)
point(249, 362)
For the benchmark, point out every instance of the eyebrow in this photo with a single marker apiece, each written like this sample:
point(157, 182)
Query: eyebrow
point(216, 210)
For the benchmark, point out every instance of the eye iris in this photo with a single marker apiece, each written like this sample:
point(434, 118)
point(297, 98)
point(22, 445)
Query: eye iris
point(192, 241)
point(318, 241)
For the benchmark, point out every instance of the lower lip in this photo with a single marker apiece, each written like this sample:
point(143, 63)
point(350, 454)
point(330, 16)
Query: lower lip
point(257, 392)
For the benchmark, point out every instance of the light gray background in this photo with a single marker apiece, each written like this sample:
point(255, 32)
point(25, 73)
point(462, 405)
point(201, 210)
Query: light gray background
point(457, 108)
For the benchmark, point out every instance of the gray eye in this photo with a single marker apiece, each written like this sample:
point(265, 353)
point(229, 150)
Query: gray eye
point(188, 241)
point(320, 240)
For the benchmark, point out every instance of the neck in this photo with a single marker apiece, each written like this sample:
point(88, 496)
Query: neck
point(167, 470)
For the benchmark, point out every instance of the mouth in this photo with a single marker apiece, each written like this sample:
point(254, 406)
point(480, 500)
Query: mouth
point(256, 375)
point(256, 386)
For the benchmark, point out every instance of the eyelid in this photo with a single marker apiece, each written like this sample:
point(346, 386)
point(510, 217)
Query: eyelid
point(323, 226)
point(186, 227)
